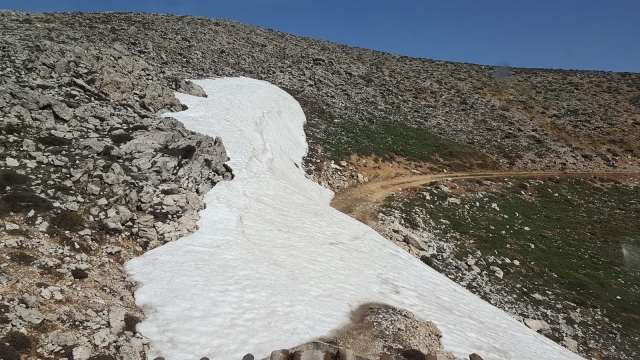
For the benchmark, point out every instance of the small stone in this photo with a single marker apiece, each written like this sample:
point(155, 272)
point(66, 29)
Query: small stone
point(537, 325)
point(93, 189)
point(73, 206)
point(570, 344)
point(248, 357)
point(43, 226)
point(475, 356)
point(11, 226)
point(116, 319)
point(29, 315)
point(496, 270)
point(82, 352)
point(112, 249)
point(471, 262)
point(45, 293)
point(62, 339)
point(12, 162)
point(31, 301)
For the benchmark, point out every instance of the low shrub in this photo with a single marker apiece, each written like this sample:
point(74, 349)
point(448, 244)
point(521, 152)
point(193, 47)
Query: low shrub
point(68, 220)
point(413, 354)
point(7, 352)
point(123, 138)
point(79, 274)
point(20, 201)
point(21, 258)
point(185, 152)
point(106, 150)
point(19, 341)
point(10, 130)
point(11, 178)
point(130, 322)
point(51, 140)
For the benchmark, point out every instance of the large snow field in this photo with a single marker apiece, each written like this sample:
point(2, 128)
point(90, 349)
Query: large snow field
point(273, 265)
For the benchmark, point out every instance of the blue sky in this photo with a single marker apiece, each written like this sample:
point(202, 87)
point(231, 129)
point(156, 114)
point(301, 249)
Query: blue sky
point(567, 34)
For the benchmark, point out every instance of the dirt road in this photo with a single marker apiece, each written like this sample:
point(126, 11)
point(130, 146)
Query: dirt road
point(362, 202)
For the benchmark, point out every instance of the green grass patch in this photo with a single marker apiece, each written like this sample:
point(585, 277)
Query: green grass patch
point(344, 138)
point(581, 234)
point(340, 137)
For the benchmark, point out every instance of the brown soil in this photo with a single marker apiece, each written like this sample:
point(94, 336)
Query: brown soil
point(362, 202)
point(378, 329)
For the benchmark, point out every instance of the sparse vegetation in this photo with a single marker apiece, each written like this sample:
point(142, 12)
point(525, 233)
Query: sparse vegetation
point(567, 233)
point(185, 152)
point(106, 150)
point(68, 220)
point(19, 341)
point(122, 138)
point(79, 274)
point(11, 178)
point(7, 352)
point(21, 258)
point(22, 201)
point(387, 140)
point(10, 129)
point(130, 322)
point(51, 140)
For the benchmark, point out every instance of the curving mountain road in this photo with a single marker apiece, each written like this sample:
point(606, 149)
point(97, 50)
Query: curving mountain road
point(361, 202)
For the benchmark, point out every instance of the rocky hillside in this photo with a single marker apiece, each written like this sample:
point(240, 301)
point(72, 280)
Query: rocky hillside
point(529, 118)
point(90, 176)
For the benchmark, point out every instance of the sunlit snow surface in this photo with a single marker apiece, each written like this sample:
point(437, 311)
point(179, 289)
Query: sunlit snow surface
point(274, 266)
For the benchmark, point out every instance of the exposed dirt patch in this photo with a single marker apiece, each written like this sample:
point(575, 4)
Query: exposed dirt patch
point(362, 202)
point(380, 329)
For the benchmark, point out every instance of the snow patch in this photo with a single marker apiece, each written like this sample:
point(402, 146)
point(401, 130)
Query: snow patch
point(273, 265)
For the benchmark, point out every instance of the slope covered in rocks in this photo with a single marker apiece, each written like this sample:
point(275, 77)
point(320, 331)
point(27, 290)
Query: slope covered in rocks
point(89, 178)
point(531, 118)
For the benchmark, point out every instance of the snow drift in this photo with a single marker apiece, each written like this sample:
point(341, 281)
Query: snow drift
point(273, 265)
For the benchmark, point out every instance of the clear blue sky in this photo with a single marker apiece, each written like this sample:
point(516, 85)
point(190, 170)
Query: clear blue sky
point(567, 34)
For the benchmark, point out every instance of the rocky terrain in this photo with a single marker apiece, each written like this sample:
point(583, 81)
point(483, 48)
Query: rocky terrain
point(91, 176)
point(378, 330)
